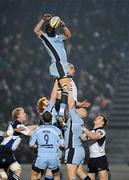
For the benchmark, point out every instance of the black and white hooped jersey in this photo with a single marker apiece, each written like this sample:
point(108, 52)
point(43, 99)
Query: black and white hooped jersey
point(14, 140)
point(97, 148)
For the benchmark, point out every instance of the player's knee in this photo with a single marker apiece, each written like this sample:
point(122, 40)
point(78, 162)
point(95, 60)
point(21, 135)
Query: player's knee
point(56, 173)
point(33, 177)
point(55, 170)
point(36, 174)
point(70, 168)
point(103, 174)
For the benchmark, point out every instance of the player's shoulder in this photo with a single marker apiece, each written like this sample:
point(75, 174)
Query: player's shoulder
point(15, 123)
point(101, 131)
point(50, 127)
point(38, 129)
point(59, 37)
point(56, 128)
point(42, 35)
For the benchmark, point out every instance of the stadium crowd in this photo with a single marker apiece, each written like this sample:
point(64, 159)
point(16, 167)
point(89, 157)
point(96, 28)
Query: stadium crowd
point(97, 48)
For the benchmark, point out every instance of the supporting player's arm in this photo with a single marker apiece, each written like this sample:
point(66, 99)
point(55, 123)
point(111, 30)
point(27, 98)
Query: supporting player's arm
point(26, 130)
point(54, 92)
point(33, 139)
point(38, 27)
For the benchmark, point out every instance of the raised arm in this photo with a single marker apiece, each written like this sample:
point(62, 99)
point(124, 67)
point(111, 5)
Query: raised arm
point(67, 32)
point(38, 27)
point(26, 130)
point(92, 135)
point(54, 91)
point(33, 139)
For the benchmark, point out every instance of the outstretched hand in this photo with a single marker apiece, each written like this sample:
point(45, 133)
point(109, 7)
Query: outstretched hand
point(83, 104)
point(62, 23)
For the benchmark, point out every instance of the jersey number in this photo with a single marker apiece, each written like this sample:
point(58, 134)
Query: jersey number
point(46, 138)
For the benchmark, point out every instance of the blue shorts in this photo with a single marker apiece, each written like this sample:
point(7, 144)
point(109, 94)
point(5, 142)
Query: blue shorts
point(58, 70)
point(47, 160)
point(75, 155)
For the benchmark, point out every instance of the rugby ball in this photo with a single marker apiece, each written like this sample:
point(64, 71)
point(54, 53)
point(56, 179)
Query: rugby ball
point(54, 22)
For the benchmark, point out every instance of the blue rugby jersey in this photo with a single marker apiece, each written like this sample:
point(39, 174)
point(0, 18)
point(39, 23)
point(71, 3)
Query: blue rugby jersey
point(55, 47)
point(48, 138)
point(74, 130)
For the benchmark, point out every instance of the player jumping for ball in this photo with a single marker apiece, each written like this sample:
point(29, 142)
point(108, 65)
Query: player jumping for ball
point(54, 44)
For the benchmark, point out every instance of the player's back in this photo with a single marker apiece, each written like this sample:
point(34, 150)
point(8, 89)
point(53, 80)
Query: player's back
point(48, 139)
point(55, 47)
point(74, 130)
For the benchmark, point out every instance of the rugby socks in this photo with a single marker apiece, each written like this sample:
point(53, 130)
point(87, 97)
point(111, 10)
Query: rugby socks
point(48, 177)
point(63, 103)
point(13, 176)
